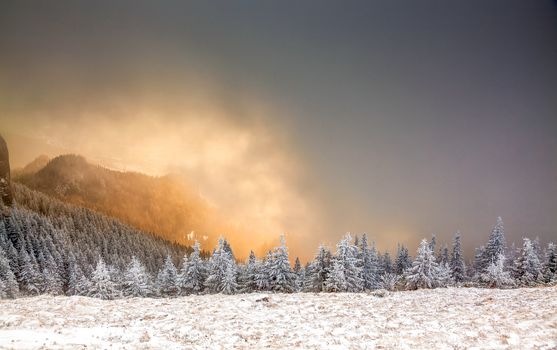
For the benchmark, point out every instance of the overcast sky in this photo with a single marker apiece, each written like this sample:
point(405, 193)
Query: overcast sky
point(395, 118)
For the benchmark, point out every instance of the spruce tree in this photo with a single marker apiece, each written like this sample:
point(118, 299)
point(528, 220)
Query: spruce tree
point(369, 264)
point(101, 286)
point(30, 279)
point(281, 277)
point(402, 262)
point(527, 265)
point(11, 288)
point(495, 275)
point(193, 274)
point(318, 271)
point(550, 265)
point(229, 283)
point(458, 268)
point(345, 274)
point(247, 279)
point(136, 282)
point(53, 283)
point(424, 271)
point(167, 278)
point(262, 278)
point(495, 246)
point(218, 263)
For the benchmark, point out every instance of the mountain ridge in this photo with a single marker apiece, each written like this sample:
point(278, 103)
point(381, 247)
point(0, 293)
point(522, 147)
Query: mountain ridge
point(163, 205)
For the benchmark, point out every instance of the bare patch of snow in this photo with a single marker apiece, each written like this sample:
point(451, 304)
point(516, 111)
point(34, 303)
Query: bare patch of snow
point(457, 318)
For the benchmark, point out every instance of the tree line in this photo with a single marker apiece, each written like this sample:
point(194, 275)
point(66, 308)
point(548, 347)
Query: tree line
point(49, 247)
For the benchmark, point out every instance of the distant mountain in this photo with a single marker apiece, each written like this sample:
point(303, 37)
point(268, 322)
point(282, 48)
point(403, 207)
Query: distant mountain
point(164, 205)
point(33, 167)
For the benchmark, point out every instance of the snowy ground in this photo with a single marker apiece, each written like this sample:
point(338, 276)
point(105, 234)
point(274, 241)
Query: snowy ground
point(442, 318)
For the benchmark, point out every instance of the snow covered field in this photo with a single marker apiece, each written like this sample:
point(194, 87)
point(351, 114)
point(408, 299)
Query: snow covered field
point(426, 319)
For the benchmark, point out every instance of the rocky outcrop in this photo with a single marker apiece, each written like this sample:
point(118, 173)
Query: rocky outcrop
point(5, 183)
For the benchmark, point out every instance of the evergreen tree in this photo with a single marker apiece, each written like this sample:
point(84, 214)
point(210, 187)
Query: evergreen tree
point(318, 271)
point(424, 271)
point(218, 265)
point(444, 277)
point(167, 278)
point(495, 275)
point(78, 284)
point(229, 283)
point(53, 283)
point(10, 288)
point(345, 274)
point(550, 265)
point(281, 277)
point(527, 266)
point(458, 268)
point(369, 265)
point(101, 286)
point(336, 282)
point(136, 281)
point(248, 274)
point(193, 273)
point(495, 246)
point(443, 255)
point(30, 279)
point(403, 261)
point(262, 278)
point(298, 271)
point(433, 242)
point(386, 264)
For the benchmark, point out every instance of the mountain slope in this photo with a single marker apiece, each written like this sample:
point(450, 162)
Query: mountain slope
point(42, 226)
point(162, 205)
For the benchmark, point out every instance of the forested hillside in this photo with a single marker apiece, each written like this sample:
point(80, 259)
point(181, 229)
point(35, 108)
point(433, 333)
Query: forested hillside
point(48, 246)
point(163, 205)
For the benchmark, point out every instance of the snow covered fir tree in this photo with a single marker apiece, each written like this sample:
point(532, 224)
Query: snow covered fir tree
point(51, 247)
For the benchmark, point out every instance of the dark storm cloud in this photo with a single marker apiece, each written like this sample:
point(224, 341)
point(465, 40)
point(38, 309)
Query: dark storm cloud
point(415, 117)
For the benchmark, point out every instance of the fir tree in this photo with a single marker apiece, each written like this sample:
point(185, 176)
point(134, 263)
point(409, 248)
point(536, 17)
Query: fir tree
point(11, 288)
point(458, 268)
point(30, 279)
point(53, 283)
point(495, 275)
point(193, 273)
point(101, 286)
point(527, 265)
point(550, 265)
point(167, 278)
point(345, 274)
point(424, 271)
point(298, 271)
point(136, 281)
point(262, 278)
point(229, 283)
point(78, 284)
point(369, 265)
point(318, 271)
point(402, 262)
point(248, 274)
point(495, 246)
point(281, 277)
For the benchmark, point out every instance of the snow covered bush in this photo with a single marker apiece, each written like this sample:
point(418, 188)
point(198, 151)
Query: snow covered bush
point(389, 281)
